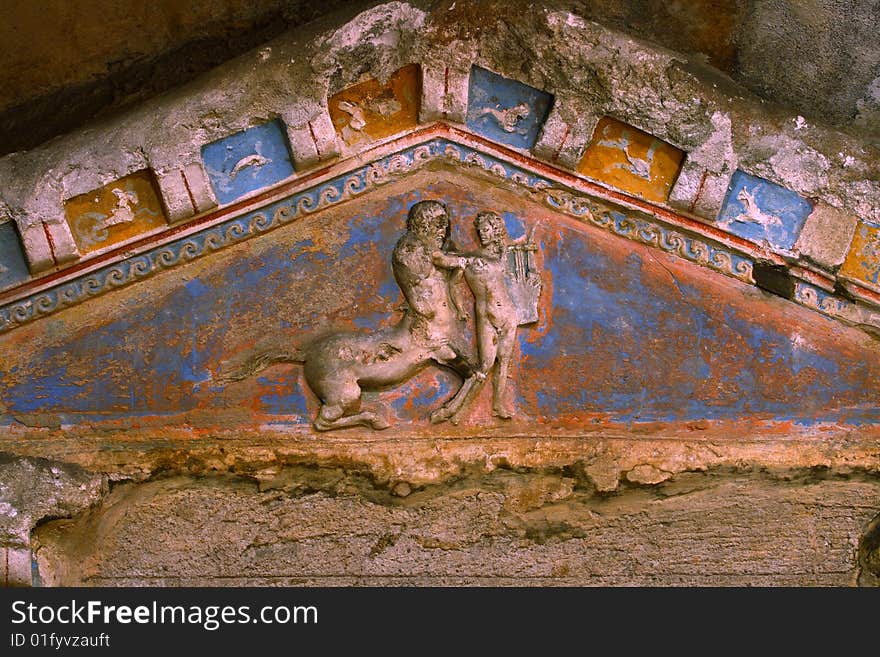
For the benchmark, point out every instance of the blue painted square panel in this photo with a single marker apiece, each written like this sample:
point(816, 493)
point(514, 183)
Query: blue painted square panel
point(759, 210)
point(13, 267)
point(506, 111)
point(247, 161)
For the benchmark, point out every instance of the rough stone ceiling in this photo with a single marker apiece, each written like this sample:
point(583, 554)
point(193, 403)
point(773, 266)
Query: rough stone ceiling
point(63, 64)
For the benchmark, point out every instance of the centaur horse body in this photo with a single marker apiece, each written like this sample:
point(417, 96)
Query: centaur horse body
point(340, 366)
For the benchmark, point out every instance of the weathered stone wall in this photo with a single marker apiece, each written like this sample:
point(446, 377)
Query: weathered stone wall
point(475, 512)
point(329, 527)
point(66, 63)
point(773, 480)
point(815, 57)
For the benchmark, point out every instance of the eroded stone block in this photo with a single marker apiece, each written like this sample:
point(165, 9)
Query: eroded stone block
point(699, 191)
point(863, 260)
point(561, 141)
point(631, 160)
point(501, 528)
point(17, 566)
point(762, 211)
point(505, 110)
point(826, 236)
point(13, 267)
point(247, 161)
point(369, 111)
point(114, 213)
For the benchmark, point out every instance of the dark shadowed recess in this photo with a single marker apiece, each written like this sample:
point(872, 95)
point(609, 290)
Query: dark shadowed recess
point(818, 58)
point(129, 81)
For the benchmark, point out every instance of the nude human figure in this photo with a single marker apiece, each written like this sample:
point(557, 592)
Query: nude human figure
point(495, 315)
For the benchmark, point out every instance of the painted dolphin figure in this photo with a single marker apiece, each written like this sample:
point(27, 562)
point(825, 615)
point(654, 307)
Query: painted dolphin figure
point(255, 160)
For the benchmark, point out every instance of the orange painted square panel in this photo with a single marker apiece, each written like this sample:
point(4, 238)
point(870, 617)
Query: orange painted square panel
point(369, 110)
point(863, 260)
point(631, 160)
point(115, 213)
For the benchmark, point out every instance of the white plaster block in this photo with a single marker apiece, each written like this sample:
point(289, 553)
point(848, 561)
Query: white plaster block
point(325, 135)
point(444, 95)
point(699, 191)
point(16, 566)
point(433, 91)
point(456, 101)
point(175, 196)
point(199, 187)
point(561, 142)
point(314, 142)
point(302, 146)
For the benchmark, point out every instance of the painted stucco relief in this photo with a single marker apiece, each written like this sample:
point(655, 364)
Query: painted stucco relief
point(369, 110)
point(579, 314)
point(248, 161)
point(504, 110)
point(763, 212)
point(115, 213)
point(631, 160)
point(505, 286)
point(757, 219)
point(863, 260)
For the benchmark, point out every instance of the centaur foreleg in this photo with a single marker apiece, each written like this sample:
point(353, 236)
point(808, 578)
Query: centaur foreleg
point(453, 409)
point(473, 381)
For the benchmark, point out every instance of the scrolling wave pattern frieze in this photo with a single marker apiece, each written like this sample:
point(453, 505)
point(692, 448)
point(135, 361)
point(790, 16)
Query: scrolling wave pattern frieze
point(355, 183)
point(820, 301)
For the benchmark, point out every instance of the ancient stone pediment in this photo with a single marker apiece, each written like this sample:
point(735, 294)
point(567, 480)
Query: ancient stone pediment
point(395, 257)
point(645, 322)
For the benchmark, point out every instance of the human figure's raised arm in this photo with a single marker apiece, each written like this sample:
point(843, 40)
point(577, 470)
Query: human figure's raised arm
point(449, 260)
point(457, 264)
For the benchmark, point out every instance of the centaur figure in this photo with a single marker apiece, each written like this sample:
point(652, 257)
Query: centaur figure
point(338, 367)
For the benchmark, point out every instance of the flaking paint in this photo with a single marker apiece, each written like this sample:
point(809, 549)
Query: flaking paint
point(626, 334)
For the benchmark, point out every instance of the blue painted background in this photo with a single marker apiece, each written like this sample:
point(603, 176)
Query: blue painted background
point(627, 334)
point(791, 208)
point(13, 267)
point(487, 90)
point(266, 141)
